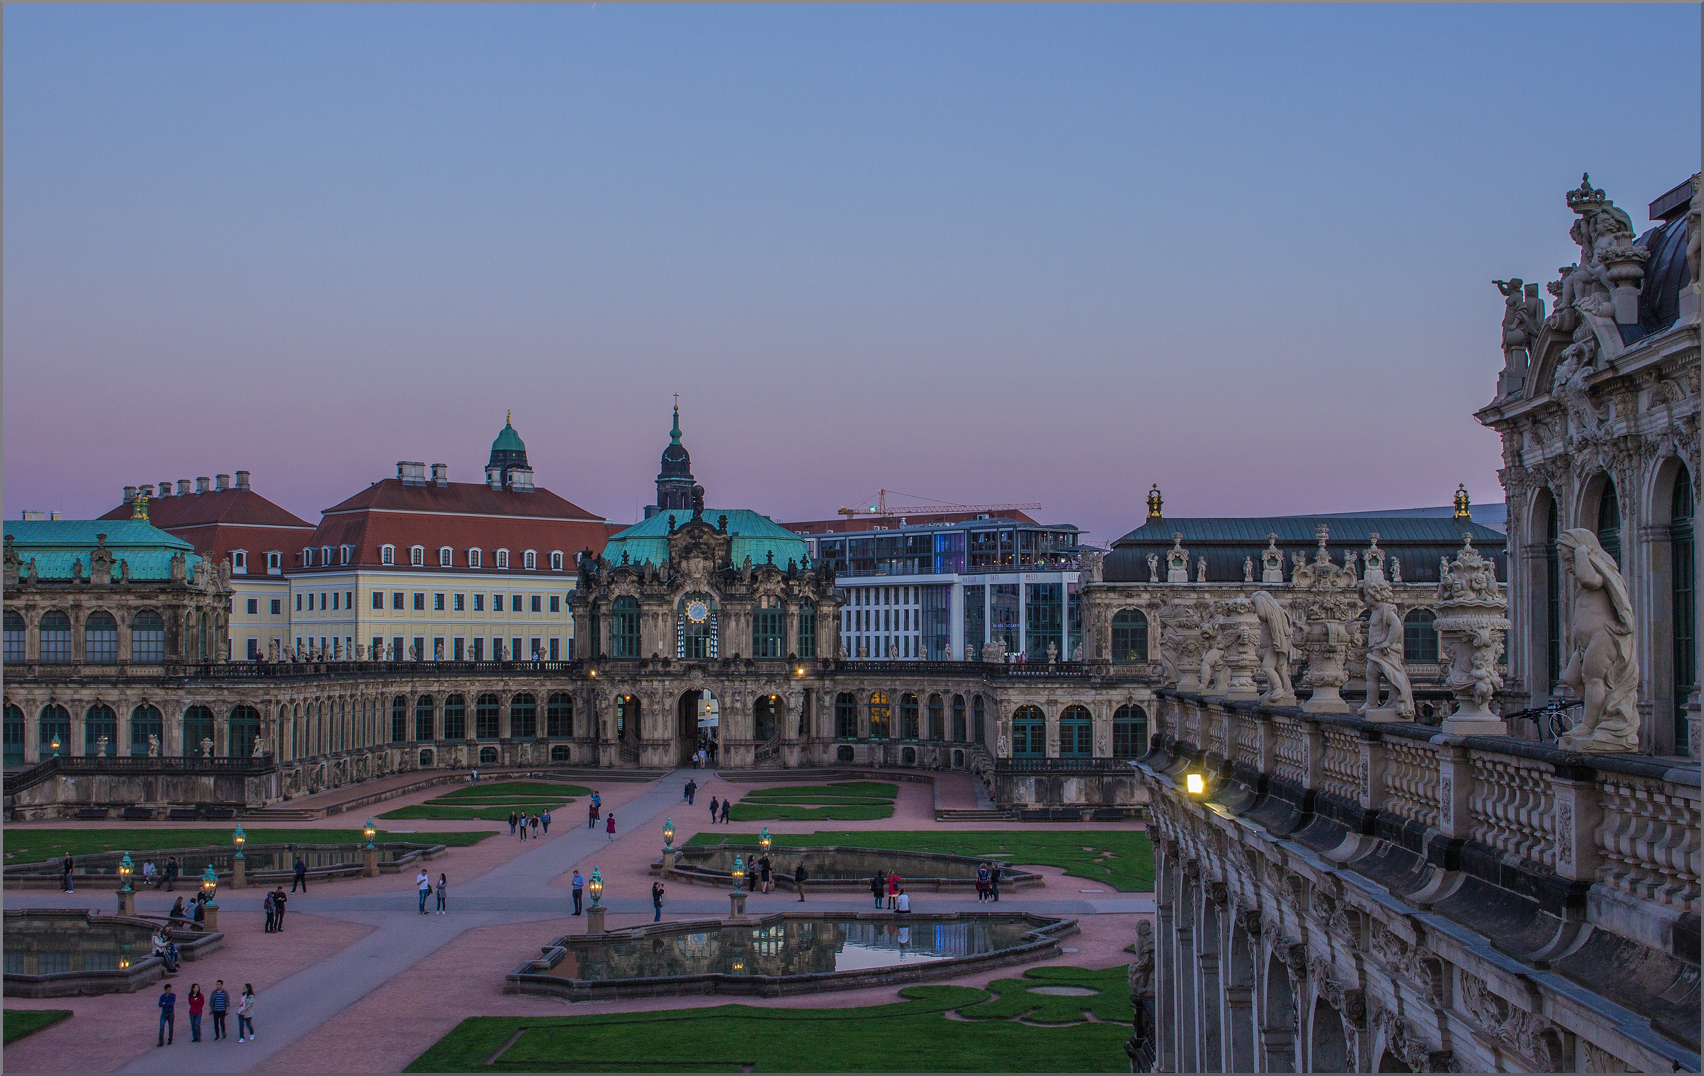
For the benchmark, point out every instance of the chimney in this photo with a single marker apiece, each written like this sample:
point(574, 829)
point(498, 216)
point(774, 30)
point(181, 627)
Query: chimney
point(242, 480)
point(440, 474)
point(183, 487)
point(202, 483)
point(221, 482)
point(53, 516)
point(165, 489)
point(411, 473)
point(32, 514)
point(129, 494)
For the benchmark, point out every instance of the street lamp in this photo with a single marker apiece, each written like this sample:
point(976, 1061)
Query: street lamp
point(56, 747)
point(239, 838)
point(1195, 783)
point(596, 886)
point(209, 883)
point(125, 868)
point(739, 872)
point(764, 840)
point(668, 834)
point(369, 831)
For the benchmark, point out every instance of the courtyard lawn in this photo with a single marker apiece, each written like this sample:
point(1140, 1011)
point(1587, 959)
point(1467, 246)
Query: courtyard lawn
point(496, 790)
point(35, 845)
point(492, 802)
point(497, 812)
point(845, 801)
point(21, 1022)
point(786, 812)
point(914, 1035)
point(873, 790)
point(1119, 858)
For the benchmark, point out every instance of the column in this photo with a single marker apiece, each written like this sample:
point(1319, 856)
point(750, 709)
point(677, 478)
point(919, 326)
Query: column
point(1165, 956)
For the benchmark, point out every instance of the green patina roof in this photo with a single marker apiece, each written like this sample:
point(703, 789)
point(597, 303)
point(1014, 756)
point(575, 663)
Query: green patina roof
point(508, 440)
point(755, 536)
point(55, 544)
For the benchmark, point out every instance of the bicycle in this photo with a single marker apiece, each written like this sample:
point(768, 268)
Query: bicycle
point(1552, 718)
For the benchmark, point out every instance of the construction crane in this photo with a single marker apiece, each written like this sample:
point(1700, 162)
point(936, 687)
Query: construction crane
point(880, 508)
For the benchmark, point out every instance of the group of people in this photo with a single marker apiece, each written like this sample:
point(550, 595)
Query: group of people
point(423, 882)
point(218, 1003)
point(196, 913)
point(523, 822)
point(151, 875)
point(273, 905)
point(885, 884)
point(988, 883)
point(762, 875)
point(722, 807)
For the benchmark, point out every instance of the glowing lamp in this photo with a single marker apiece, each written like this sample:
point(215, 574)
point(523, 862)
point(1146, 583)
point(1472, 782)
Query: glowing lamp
point(125, 868)
point(668, 833)
point(596, 886)
point(764, 840)
point(593, 674)
point(369, 831)
point(56, 747)
point(1195, 783)
point(239, 838)
point(210, 882)
point(739, 872)
point(800, 671)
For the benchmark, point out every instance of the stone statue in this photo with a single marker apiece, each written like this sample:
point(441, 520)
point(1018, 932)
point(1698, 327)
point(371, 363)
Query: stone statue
point(1052, 651)
point(101, 747)
point(1384, 656)
point(1100, 747)
point(153, 746)
point(1248, 569)
point(1603, 665)
point(1177, 560)
point(1001, 747)
point(259, 750)
point(1141, 973)
point(206, 747)
point(1077, 652)
point(1396, 570)
point(1201, 570)
point(1153, 567)
point(1276, 649)
point(1572, 387)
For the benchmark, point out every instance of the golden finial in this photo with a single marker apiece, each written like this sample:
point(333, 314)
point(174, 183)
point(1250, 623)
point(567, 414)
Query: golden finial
point(139, 509)
point(1462, 507)
point(509, 419)
point(1154, 502)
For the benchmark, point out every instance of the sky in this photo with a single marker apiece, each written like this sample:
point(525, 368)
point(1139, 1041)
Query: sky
point(976, 254)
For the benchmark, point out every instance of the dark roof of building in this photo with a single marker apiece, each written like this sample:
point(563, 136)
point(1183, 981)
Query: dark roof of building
point(463, 498)
point(677, 462)
point(1666, 276)
point(234, 506)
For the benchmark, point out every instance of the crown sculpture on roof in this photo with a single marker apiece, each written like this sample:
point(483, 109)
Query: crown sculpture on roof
point(1463, 506)
point(139, 510)
point(1155, 502)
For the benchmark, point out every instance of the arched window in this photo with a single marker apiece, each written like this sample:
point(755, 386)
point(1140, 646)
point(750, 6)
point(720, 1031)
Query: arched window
point(486, 720)
point(146, 721)
point(559, 716)
point(148, 637)
point(503, 558)
point(880, 713)
point(55, 725)
point(13, 736)
point(1552, 592)
point(473, 556)
point(387, 554)
point(446, 557)
point(627, 717)
point(768, 629)
point(99, 721)
point(1076, 733)
point(399, 719)
point(695, 628)
point(245, 730)
point(529, 560)
point(100, 638)
point(417, 556)
point(978, 724)
point(1029, 733)
point(937, 718)
point(624, 628)
point(1683, 595)
point(807, 630)
point(1130, 635)
point(423, 719)
point(1419, 638)
point(16, 630)
point(55, 637)
point(1609, 521)
point(455, 718)
point(766, 717)
point(556, 560)
point(523, 717)
point(959, 732)
point(1129, 732)
point(197, 726)
point(845, 716)
point(908, 716)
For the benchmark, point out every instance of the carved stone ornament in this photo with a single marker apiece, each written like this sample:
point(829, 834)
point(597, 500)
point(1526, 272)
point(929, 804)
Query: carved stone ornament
point(1509, 1024)
point(1470, 625)
point(1603, 666)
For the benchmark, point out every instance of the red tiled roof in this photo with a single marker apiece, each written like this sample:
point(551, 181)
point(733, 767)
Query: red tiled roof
point(861, 523)
point(219, 521)
point(463, 498)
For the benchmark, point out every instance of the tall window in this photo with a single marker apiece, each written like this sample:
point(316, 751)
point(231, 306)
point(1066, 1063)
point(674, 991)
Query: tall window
point(1552, 594)
point(446, 556)
point(423, 715)
point(486, 724)
point(556, 561)
point(15, 632)
point(1044, 620)
point(1683, 598)
point(766, 717)
point(845, 716)
point(417, 556)
point(880, 713)
point(455, 718)
point(146, 721)
point(197, 726)
point(55, 637)
point(14, 736)
point(975, 617)
point(908, 716)
point(959, 733)
point(473, 556)
point(1029, 733)
point(1419, 638)
point(529, 560)
point(768, 629)
point(559, 716)
point(696, 628)
point(1076, 733)
point(937, 718)
point(1130, 635)
point(807, 630)
point(399, 719)
point(978, 724)
point(1609, 521)
point(1003, 615)
point(387, 554)
point(502, 558)
point(55, 725)
point(99, 722)
point(523, 717)
point(624, 628)
point(1129, 732)
point(244, 729)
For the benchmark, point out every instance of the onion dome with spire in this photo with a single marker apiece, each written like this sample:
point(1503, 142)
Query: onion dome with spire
point(674, 479)
point(508, 467)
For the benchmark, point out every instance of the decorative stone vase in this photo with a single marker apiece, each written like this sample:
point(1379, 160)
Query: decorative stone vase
point(1327, 647)
point(1471, 626)
point(1624, 265)
point(1239, 631)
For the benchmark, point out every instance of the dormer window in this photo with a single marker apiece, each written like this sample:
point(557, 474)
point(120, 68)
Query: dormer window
point(529, 560)
point(446, 557)
point(387, 554)
point(556, 561)
point(239, 562)
point(502, 558)
point(308, 557)
point(346, 554)
point(473, 556)
point(274, 563)
point(325, 557)
point(417, 556)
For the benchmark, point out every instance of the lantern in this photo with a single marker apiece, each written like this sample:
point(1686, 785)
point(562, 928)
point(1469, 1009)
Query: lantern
point(668, 833)
point(596, 886)
point(125, 868)
point(239, 838)
point(739, 872)
point(764, 840)
point(56, 747)
point(369, 831)
point(1195, 783)
point(209, 883)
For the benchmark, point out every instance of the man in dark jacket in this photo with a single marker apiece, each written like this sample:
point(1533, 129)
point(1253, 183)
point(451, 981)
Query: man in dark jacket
point(301, 874)
point(219, 1003)
point(168, 1014)
point(799, 877)
point(169, 877)
point(65, 873)
point(279, 899)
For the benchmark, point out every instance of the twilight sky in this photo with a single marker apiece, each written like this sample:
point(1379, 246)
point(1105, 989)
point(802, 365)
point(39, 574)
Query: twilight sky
point(973, 253)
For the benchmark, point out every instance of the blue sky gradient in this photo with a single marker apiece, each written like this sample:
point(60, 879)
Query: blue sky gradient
point(975, 253)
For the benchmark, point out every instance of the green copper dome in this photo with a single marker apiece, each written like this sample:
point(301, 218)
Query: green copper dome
point(508, 440)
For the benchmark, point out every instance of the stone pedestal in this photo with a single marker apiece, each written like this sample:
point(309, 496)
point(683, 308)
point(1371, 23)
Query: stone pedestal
point(239, 872)
point(737, 903)
point(370, 863)
point(595, 920)
point(668, 860)
point(210, 920)
point(1327, 647)
point(127, 902)
point(1240, 631)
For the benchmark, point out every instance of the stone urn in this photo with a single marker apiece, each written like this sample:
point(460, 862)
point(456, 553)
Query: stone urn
point(1471, 626)
point(1239, 634)
point(1624, 267)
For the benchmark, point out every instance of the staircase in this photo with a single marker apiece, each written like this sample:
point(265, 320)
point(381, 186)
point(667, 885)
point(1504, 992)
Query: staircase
point(974, 814)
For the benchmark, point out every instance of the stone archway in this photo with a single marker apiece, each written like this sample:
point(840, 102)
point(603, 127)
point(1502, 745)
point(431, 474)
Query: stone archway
point(1239, 1003)
point(1278, 1019)
point(688, 735)
point(1328, 1046)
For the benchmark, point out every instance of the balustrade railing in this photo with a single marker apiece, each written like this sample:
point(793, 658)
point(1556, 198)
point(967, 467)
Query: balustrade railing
point(1341, 767)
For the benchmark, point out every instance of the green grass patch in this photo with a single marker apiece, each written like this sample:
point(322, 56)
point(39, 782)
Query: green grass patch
point(492, 802)
point(910, 1036)
point(21, 1022)
point(511, 789)
point(1121, 859)
point(782, 812)
point(498, 813)
point(876, 790)
point(34, 845)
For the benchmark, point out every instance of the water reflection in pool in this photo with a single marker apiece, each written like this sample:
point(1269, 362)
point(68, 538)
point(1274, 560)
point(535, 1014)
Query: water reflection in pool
point(48, 946)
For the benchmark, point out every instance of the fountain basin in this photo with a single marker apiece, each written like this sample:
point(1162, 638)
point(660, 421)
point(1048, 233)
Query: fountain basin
point(265, 863)
point(54, 953)
point(838, 868)
point(785, 953)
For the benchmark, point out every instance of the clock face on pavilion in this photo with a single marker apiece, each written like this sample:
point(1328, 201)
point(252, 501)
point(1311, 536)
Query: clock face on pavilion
point(697, 611)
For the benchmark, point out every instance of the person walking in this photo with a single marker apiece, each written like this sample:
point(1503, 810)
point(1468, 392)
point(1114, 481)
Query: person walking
point(271, 913)
point(65, 874)
point(714, 806)
point(424, 882)
point(878, 886)
point(591, 815)
point(535, 827)
point(611, 827)
point(218, 1003)
point(579, 884)
point(443, 890)
point(279, 899)
point(799, 877)
point(300, 869)
point(197, 1002)
point(545, 817)
point(893, 889)
point(597, 804)
point(657, 901)
point(994, 882)
point(725, 805)
point(475, 777)
point(513, 819)
point(168, 1014)
point(690, 790)
point(245, 1012)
